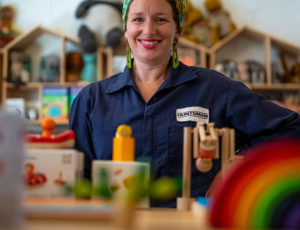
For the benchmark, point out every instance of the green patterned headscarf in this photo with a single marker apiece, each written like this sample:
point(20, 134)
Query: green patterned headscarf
point(180, 4)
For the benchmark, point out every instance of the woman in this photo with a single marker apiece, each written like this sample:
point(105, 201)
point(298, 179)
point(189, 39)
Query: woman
point(157, 96)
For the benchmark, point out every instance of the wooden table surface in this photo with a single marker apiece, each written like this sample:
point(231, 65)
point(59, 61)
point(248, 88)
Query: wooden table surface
point(154, 219)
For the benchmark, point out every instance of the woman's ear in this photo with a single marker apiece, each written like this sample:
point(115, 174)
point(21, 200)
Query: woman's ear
point(177, 34)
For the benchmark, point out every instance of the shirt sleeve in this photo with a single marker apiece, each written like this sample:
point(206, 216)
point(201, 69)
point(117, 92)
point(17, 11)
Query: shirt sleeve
point(257, 119)
point(79, 121)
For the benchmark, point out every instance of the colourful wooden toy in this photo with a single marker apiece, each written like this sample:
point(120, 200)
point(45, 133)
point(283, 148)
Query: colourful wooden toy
point(262, 191)
point(123, 144)
point(205, 149)
point(48, 140)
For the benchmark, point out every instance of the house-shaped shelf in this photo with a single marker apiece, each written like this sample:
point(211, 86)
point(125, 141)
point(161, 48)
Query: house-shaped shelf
point(33, 43)
point(248, 44)
point(25, 40)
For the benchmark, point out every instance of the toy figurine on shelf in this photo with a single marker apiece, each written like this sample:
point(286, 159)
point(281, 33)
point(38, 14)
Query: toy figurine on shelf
point(196, 27)
point(18, 74)
point(291, 75)
point(89, 71)
point(7, 31)
point(50, 65)
point(93, 32)
point(205, 149)
point(74, 66)
point(219, 20)
point(47, 140)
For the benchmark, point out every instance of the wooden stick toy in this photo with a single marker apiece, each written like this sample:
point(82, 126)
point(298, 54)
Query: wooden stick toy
point(205, 148)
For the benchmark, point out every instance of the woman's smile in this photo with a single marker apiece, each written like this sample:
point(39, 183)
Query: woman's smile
point(149, 43)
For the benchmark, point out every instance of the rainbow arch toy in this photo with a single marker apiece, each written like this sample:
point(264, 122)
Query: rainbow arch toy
point(263, 191)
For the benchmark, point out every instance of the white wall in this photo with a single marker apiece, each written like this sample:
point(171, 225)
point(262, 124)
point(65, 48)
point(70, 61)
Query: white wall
point(280, 18)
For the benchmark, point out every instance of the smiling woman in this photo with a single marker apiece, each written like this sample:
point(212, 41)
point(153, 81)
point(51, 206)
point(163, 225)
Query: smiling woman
point(151, 34)
point(157, 96)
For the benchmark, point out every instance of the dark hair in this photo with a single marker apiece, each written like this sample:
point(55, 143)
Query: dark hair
point(175, 14)
point(174, 11)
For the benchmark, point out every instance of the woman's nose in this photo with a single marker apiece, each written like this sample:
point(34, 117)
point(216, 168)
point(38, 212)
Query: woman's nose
point(150, 27)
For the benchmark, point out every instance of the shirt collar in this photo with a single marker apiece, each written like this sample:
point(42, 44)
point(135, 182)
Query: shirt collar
point(125, 79)
point(179, 76)
point(175, 77)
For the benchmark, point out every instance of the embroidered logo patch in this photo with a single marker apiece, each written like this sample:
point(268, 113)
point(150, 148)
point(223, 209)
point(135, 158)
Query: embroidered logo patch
point(195, 113)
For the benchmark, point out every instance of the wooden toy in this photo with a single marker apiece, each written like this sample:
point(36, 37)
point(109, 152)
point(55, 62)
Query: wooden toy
point(51, 162)
point(123, 144)
point(205, 149)
point(262, 191)
point(48, 140)
point(122, 171)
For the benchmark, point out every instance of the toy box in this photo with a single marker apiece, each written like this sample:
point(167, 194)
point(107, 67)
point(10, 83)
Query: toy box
point(47, 171)
point(55, 103)
point(120, 175)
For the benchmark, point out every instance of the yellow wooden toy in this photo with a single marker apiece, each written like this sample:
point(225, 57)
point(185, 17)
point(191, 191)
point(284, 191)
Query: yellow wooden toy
point(123, 144)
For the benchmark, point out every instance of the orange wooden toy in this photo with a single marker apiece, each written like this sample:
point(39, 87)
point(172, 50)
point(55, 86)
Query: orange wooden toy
point(48, 140)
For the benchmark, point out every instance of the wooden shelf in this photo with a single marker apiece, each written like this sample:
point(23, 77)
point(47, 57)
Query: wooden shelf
point(245, 39)
point(248, 43)
point(275, 86)
point(32, 92)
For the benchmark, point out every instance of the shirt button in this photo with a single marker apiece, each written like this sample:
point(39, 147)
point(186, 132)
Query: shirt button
point(148, 110)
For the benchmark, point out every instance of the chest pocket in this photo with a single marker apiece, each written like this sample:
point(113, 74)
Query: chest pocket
point(169, 146)
point(102, 141)
point(175, 148)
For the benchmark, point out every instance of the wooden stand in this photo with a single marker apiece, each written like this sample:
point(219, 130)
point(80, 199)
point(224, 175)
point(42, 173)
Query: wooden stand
point(205, 149)
point(184, 202)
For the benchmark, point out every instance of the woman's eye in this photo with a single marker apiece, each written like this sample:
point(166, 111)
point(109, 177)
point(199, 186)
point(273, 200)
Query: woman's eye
point(161, 20)
point(137, 19)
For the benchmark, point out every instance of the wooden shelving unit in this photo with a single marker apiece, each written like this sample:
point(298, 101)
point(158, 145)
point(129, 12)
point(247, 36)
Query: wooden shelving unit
point(248, 43)
point(32, 92)
point(240, 45)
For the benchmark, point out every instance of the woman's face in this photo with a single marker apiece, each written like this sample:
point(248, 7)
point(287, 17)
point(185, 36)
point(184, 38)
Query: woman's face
point(151, 30)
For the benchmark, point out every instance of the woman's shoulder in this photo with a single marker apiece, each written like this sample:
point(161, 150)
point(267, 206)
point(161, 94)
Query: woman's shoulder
point(208, 75)
point(101, 86)
point(206, 72)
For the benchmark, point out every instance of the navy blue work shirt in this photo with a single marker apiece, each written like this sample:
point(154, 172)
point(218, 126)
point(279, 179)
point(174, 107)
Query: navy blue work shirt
point(158, 124)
